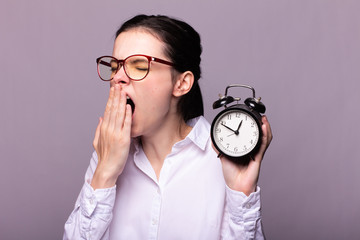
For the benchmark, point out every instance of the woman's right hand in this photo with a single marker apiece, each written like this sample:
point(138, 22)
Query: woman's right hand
point(112, 139)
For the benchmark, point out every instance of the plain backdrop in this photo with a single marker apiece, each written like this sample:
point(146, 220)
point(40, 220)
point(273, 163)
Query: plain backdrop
point(302, 57)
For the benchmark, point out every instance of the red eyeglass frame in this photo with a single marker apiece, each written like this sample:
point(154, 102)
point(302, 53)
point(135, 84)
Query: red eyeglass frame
point(121, 63)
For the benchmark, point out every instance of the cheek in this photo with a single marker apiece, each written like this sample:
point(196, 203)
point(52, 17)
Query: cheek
point(159, 101)
point(162, 89)
point(160, 98)
point(156, 93)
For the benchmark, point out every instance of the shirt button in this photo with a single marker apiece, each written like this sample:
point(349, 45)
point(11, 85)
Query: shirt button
point(248, 205)
point(154, 222)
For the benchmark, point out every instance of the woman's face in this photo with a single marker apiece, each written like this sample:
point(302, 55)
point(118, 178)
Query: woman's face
point(152, 96)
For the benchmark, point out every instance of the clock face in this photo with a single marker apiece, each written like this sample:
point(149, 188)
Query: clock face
point(235, 132)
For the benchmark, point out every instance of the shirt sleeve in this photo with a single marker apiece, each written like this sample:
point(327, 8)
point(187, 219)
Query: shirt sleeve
point(242, 216)
point(92, 213)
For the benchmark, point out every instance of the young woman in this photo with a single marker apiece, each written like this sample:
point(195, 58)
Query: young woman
point(154, 173)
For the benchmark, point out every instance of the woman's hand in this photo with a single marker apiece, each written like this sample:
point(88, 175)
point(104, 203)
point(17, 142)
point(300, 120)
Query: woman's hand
point(244, 178)
point(112, 139)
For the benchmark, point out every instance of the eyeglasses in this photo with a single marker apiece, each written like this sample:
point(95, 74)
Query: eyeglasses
point(136, 67)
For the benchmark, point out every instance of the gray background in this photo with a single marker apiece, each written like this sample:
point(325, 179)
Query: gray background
point(302, 57)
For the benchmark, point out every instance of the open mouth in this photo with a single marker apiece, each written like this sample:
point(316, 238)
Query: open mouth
point(131, 103)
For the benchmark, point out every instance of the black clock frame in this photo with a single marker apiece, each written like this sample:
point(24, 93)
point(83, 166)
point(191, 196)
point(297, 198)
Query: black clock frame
point(252, 106)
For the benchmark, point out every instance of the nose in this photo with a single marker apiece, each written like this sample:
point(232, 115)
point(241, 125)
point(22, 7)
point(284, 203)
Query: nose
point(120, 77)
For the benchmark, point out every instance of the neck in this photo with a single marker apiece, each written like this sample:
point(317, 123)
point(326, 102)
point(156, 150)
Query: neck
point(157, 146)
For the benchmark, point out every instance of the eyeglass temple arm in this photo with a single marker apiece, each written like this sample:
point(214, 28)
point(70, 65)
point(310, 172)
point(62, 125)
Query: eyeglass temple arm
point(161, 61)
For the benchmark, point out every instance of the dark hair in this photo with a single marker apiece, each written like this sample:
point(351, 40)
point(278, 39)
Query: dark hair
point(182, 47)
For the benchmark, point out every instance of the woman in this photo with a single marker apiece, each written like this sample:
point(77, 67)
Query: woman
point(154, 173)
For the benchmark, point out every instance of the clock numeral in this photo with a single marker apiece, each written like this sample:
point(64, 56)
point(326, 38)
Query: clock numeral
point(229, 117)
point(246, 118)
point(254, 134)
point(252, 124)
point(245, 148)
point(221, 139)
point(236, 149)
point(227, 145)
point(238, 115)
point(222, 122)
point(218, 130)
point(252, 141)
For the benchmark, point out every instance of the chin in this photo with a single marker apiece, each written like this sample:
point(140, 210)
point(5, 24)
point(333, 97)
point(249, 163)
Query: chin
point(134, 133)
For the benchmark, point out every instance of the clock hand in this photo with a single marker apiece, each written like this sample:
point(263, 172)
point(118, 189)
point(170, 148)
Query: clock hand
point(228, 128)
point(237, 130)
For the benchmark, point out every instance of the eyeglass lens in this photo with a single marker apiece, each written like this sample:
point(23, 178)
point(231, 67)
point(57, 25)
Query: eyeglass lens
point(136, 67)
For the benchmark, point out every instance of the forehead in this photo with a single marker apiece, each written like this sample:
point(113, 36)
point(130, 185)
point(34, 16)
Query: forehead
point(138, 41)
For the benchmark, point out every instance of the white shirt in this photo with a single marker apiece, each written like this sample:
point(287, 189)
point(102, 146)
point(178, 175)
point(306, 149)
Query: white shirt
point(189, 201)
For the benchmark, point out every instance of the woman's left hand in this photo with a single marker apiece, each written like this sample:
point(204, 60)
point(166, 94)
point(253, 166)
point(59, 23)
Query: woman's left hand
point(244, 178)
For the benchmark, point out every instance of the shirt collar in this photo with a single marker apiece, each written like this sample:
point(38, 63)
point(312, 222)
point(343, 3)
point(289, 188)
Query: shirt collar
point(199, 134)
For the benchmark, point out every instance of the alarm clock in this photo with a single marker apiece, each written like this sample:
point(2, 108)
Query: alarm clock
point(236, 131)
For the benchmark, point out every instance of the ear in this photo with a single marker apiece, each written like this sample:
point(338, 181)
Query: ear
point(183, 84)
